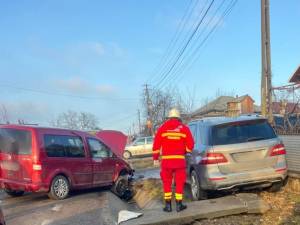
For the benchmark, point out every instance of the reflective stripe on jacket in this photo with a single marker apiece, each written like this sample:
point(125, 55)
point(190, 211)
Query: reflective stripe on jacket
point(172, 141)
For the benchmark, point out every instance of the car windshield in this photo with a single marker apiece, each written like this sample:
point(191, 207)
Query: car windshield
point(15, 141)
point(239, 132)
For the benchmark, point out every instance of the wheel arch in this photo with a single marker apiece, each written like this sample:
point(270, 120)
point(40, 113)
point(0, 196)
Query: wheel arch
point(61, 174)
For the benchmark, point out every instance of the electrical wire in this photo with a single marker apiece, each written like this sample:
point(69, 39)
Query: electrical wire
point(175, 50)
point(174, 40)
point(65, 95)
point(164, 76)
point(196, 53)
point(198, 38)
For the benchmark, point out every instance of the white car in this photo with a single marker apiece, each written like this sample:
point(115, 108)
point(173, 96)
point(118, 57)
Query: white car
point(142, 146)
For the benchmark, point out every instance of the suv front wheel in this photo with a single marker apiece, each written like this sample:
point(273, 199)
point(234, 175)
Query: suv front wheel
point(197, 192)
point(60, 188)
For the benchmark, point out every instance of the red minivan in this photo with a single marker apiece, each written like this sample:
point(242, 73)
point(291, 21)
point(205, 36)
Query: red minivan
point(36, 159)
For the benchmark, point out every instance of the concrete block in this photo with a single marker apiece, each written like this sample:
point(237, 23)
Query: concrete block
point(206, 209)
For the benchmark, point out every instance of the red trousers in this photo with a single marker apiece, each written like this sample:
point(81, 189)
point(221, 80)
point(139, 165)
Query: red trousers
point(167, 175)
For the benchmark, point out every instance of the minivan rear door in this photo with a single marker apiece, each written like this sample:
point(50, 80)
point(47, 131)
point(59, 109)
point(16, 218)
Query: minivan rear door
point(103, 165)
point(16, 154)
point(246, 145)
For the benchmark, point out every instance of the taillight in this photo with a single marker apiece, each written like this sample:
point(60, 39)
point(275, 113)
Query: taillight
point(278, 150)
point(213, 158)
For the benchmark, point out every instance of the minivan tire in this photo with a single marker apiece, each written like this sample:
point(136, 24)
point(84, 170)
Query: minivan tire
point(121, 188)
point(60, 188)
point(127, 155)
point(14, 193)
point(196, 191)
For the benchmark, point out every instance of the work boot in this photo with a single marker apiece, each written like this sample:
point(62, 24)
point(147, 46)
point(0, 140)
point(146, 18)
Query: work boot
point(180, 206)
point(168, 207)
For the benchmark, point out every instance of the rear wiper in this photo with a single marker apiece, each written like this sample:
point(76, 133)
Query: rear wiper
point(255, 138)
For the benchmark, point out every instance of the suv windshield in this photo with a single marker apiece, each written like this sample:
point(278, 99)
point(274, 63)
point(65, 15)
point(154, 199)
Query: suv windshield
point(243, 131)
point(15, 141)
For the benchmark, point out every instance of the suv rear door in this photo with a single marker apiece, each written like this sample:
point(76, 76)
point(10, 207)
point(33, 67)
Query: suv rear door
point(16, 154)
point(246, 145)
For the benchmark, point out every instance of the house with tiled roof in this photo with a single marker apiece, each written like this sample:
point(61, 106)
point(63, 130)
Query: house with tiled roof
point(227, 106)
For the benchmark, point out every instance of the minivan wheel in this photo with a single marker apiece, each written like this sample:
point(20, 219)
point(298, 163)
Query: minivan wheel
point(197, 192)
point(127, 155)
point(121, 188)
point(14, 193)
point(60, 188)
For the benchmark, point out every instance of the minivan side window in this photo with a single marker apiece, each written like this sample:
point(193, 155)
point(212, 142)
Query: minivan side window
point(63, 146)
point(98, 149)
point(15, 141)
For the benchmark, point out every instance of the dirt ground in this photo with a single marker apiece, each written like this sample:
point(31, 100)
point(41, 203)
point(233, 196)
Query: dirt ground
point(285, 206)
point(285, 209)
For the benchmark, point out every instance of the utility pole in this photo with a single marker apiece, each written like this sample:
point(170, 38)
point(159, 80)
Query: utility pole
point(149, 110)
point(266, 76)
point(139, 120)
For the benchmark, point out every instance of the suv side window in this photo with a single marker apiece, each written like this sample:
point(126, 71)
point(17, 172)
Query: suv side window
point(193, 128)
point(203, 135)
point(63, 146)
point(98, 149)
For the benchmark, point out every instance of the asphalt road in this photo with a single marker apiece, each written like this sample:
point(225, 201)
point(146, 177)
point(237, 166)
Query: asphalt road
point(81, 208)
point(89, 207)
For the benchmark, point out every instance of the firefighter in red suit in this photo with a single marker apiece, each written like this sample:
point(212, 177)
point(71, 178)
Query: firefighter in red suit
point(172, 142)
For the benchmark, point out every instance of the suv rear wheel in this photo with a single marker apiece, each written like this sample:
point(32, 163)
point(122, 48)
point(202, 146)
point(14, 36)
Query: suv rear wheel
point(197, 192)
point(276, 187)
point(14, 193)
point(60, 188)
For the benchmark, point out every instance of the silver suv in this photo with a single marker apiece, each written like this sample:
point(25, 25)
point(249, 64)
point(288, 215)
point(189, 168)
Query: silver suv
point(235, 153)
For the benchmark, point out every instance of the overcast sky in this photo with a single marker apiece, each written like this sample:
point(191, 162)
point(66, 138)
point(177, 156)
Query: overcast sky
point(95, 56)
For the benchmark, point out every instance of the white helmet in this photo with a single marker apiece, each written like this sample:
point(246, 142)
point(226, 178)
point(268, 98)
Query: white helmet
point(174, 113)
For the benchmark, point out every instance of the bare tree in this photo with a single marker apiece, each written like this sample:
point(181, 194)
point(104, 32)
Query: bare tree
point(77, 121)
point(3, 114)
point(87, 121)
point(160, 102)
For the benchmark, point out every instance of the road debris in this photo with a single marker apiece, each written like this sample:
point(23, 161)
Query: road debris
point(125, 215)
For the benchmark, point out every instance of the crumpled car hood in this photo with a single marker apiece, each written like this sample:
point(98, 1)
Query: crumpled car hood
point(115, 140)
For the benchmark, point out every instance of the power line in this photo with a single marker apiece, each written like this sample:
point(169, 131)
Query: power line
point(167, 59)
point(173, 40)
point(195, 54)
point(65, 95)
point(119, 119)
point(198, 38)
point(184, 39)
point(186, 45)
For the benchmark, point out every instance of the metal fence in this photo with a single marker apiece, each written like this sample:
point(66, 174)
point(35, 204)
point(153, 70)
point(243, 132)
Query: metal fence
point(292, 145)
point(288, 124)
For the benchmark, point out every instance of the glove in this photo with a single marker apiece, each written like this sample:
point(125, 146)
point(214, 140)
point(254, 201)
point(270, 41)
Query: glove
point(156, 163)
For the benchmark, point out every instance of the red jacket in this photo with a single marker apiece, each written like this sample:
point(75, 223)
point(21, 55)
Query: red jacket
point(172, 141)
